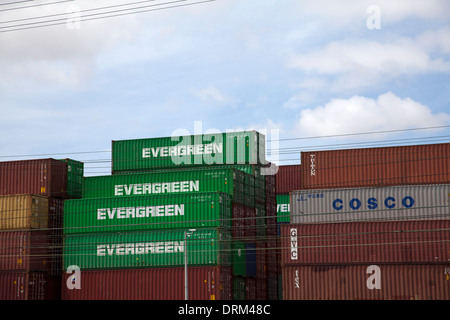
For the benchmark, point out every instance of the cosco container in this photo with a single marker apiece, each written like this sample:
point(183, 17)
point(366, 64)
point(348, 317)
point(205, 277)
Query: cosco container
point(29, 286)
point(147, 213)
point(367, 282)
point(75, 173)
point(204, 283)
point(229, 181)
point(23, 212)
point(362, 242)
point(377, 203)
point(24, 250)
point(247, 147)
point(288, 179)
point(141, 249)
point(47, 177)
point(386, 166)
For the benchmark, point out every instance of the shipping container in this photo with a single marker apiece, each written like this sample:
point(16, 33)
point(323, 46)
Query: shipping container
point(283, 208)
point(250, 260)
point(47, 177)
point(24, 211)
point(147, 213)
point(141, 249)
point(229, 181)
point(55, 235)
point(75, 173)
point(250, 288)
point(24, 250)
point(239, 255)
point(370, 167)
point(379, 242)
point(288, 179)
point(29, 286)
point(238, 221)
point(272, 286)
point(261, 289)
point(238, 288)
point(377, 203)
point(246, 147)
point(204, 283)
point(367, 282)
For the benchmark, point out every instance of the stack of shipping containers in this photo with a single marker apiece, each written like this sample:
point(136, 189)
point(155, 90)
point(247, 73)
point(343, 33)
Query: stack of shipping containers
point(370, 224)
point(287, 180)
point(200, 197)
point(32, 193)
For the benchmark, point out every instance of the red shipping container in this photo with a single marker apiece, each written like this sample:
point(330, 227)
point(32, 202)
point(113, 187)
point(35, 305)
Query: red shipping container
point(261, 289)
point(204, 283)
point(55, 235)
point(288, 178)
point(24, 250)
point(238, 222)
point(404, 241)
point(250, 288)
point(250, 224)
point(367, 282)
point(261, 260)
point(385, 166)
point(46, 177)
point(29, 286)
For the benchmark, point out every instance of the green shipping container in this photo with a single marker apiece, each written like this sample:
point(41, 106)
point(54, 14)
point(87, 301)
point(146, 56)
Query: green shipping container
point(75, 173)
point(226, 180)
point(246, 147)
point(283, 208)
point(239, 258)
point(142, 249)
point(147, 213)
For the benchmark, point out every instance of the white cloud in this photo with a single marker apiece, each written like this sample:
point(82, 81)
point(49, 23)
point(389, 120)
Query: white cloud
point(360, 114)
point(209, 94)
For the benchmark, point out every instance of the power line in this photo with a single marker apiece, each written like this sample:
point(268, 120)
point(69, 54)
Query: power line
point(55, 22)
point(35, 5)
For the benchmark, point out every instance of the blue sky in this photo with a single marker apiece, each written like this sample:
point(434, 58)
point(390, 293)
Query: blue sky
point(293, 67)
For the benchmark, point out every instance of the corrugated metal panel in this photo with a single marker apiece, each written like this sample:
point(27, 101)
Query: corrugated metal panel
point(382, 203)
point(24, 251)
point(23, 212)
point(204, 283)
point(239, 258)
point(145, 213)
point(424, 241)
point(362, 282)
point(184, 151)
point(160, 248)
point(386, 166)
point(238, 288)
point(75, 173)
point(29, 286)
point(250, 288)
point(261, 289)
point(283, 208)
point(46, 177)
point(238, 222)
point(229, 181)
point(288, 179)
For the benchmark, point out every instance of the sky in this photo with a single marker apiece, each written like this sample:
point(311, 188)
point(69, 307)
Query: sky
point(308, 74)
